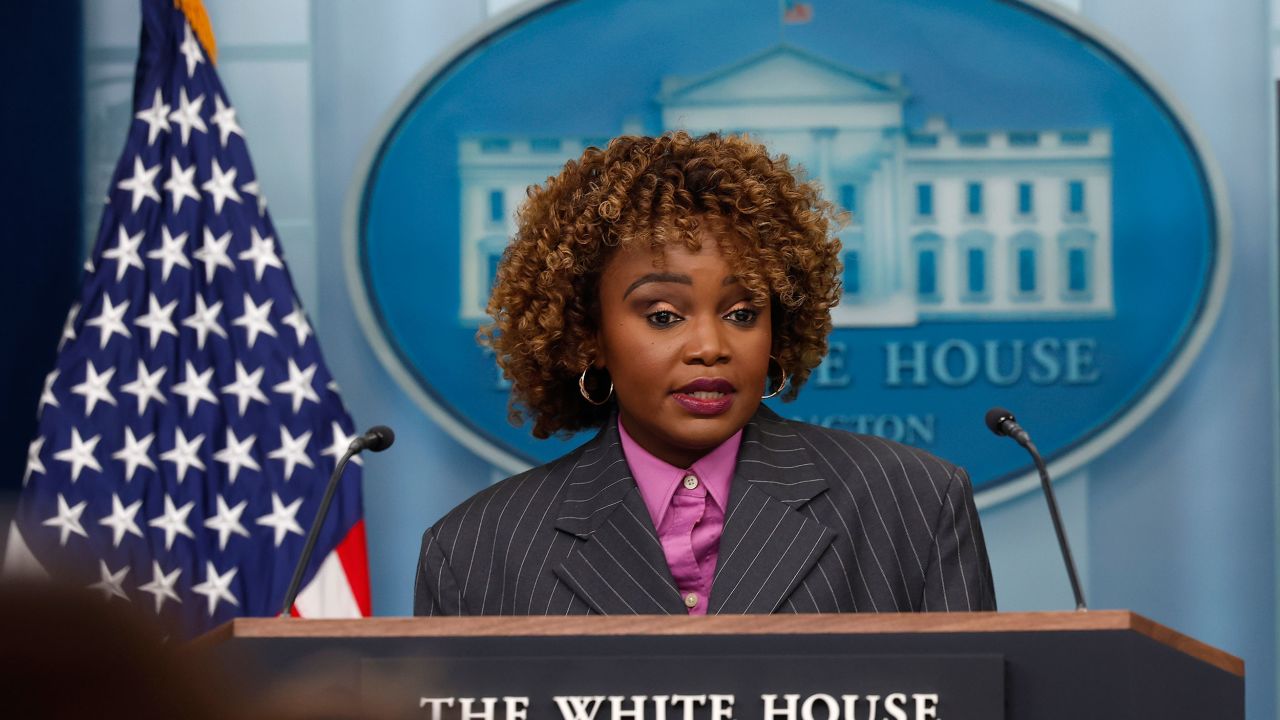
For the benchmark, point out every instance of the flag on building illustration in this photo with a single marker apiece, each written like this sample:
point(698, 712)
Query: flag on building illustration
point(190, 424)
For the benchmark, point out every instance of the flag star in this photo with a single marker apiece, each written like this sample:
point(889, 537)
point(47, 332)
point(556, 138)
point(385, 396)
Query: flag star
point(262, 252)
point(172, 251)
point(256, 319)
point(173, 522)
point(67, 520)
point(246, 387)
point(185, 455)
point(227, 521)
point(224, 117)
point(195, 387)
point(298, 321)
point(121, 520)
point(95, 387)
point(332, 386)
point(69, 327)
point(216, 587)
point(253, 189)
point(125, 252)
point(112, 583)
point(156, 117)
point(213, 253)
point(221, 186)
point(146, 387)
point(34, 463)
point(111, 320)
point(142, 184)
point(205, 320)
point(159, 320)
point(292, 451)
point(190, 49)
point(80, 454)
point(181, 183)
point(237, 454)
point(187, 116)
point(134, 453)
point(161, 585)
point(341, 441)
point(298, 385)
point(282, 518)
point(47, 397)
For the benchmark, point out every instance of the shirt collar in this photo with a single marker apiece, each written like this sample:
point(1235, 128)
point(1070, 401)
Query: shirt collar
point(658, 479)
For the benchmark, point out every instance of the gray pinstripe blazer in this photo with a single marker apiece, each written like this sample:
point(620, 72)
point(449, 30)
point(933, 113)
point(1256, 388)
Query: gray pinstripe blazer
point(819, 520)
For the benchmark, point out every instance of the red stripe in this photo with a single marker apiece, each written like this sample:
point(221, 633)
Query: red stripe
point(354, 557)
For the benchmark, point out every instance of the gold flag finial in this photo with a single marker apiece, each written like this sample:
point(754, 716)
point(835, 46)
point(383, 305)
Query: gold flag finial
point(199, 19)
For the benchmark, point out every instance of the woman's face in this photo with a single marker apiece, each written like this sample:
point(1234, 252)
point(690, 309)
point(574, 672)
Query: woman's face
point(687, 351)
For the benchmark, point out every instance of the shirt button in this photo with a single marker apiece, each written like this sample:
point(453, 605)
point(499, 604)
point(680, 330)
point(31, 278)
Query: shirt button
point(691, 483)
point(691, 600)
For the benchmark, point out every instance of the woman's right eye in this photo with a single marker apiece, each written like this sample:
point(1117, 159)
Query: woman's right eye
point(663, 318)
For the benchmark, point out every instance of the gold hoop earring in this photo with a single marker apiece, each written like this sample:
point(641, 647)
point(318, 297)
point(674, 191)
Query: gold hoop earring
point(582, 388)
point(781, 384)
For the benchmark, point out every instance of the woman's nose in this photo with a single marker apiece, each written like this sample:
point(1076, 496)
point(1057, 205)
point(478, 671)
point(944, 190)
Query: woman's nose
point(706, 343)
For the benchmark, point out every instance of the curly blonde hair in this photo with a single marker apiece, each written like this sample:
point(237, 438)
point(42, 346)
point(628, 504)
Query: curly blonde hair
point(777, 234)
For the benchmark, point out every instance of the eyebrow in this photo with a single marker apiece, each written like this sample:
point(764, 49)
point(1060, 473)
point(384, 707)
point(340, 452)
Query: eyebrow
point(657, 278)
point(672, 278)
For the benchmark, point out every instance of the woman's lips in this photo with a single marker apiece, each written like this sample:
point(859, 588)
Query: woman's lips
point(706, 396)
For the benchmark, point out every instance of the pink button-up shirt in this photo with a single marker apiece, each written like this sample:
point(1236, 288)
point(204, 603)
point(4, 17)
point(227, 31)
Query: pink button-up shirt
point(689, 520)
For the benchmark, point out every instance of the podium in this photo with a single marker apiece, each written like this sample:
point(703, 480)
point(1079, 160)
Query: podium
point(935, 666)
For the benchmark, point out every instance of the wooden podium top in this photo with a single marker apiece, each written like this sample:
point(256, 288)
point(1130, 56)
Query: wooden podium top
point(847, 624)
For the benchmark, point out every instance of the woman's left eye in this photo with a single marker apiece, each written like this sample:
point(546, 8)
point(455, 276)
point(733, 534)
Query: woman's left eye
point(743, 316)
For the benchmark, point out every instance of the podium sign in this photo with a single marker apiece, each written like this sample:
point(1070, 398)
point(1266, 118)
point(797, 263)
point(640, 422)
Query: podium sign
point(929, 666)
point(691, 684)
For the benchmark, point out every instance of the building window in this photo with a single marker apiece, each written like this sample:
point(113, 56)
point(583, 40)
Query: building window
point(1025, 254)
point(544, 145)
point(495, 145)
point(927, 263)
point(1077, 265)
point(494, 258)
point(497, 206)
point(1026, 271)
point(924, 200)
point(977, 266)
point(849, 197)
point(927, 250)
point(1026, 198)
point(1075, 197)
point(975, 254)
point(972, 139)
point(1077, 270)
point(1075, 137)
point(973, 198)
point(852, 273)
point(1024, 139)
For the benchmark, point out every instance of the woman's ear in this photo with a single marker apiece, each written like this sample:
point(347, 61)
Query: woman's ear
point(597, 352)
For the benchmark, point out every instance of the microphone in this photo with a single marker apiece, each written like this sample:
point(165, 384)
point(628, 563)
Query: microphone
point(1002, 422)
point(376, 439)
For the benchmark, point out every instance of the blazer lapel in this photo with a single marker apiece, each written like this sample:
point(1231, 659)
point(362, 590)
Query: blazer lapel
point(619, 566)
point(768, 547)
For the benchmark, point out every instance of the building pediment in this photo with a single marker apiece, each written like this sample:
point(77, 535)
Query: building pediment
point(783, 75)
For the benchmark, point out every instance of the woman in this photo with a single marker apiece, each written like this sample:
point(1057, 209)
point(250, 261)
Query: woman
point(657, 290)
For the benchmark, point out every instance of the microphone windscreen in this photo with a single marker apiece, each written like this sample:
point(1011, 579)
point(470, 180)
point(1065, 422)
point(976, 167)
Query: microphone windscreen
point(380, 438)
point(996, 418)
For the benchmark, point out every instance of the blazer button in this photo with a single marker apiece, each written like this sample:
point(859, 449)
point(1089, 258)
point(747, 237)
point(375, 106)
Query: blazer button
point(691, 600)
point(690, 483)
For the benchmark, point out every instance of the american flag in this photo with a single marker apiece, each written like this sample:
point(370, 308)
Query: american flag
point(795, 12)
point(190, 425)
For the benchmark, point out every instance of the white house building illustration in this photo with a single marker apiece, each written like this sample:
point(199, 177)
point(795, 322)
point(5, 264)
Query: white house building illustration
point(946, 224)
